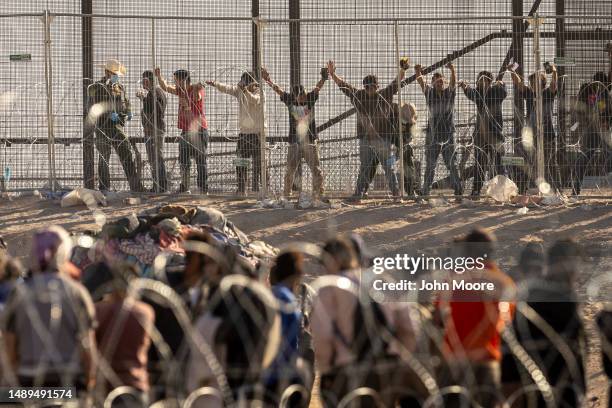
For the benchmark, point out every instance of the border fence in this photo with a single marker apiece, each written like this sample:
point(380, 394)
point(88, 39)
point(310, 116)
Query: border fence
point(51, 58)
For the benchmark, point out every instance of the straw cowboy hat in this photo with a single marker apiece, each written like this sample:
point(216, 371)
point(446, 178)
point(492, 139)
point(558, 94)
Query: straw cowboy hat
point(114, 66)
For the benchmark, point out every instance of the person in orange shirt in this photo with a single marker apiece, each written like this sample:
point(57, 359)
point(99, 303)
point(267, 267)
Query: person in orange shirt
point(472, 321)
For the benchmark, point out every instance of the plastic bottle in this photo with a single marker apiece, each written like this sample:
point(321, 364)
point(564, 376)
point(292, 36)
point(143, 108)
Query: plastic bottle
point(7, 174)
point(392, 160)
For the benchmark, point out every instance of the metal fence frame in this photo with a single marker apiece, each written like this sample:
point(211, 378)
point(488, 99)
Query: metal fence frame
point(519, 23)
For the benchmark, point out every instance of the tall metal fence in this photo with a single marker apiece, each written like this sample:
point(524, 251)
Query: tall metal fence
point(49, 59)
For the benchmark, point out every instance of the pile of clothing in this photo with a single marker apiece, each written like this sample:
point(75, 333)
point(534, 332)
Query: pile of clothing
point(141, 238)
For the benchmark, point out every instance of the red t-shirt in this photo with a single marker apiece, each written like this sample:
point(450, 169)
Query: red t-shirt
point(472, 327)
point(191, 115)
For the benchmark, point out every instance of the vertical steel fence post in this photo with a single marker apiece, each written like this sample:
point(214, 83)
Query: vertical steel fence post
point(87, 73)
point(262, 134)
point(539, 136)
point(400, 147)
point(49, 85)
point(156, 146)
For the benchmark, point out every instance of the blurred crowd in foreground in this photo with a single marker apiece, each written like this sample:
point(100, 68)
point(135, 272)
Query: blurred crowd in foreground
point(221, 330)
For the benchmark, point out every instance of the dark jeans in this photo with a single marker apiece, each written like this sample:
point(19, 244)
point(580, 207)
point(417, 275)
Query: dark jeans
point(410, 179)
point(367, 167)
point(552, 172)
point(114, 137)
point(371, 152)
point(158, 174)
point(485, 157)
point(248, 146)
point(444, 143)
point(194, 145)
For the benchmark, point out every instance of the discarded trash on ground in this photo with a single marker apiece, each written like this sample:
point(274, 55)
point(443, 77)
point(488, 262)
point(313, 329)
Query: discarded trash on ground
point(501, 189)
point(132, 201)
point(522, 210)
point(438, 202)
point(162, 231)
point(83, 196)
point(554, 199)
point(525, 200)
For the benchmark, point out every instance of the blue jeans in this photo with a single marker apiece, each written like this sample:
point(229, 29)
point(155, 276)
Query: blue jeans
point(158, 174)
point(444, 143)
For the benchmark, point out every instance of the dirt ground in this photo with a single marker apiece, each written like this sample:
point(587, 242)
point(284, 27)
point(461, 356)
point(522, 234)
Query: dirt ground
point(387, 228)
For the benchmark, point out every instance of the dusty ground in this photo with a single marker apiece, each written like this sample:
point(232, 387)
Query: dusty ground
point(387, 228)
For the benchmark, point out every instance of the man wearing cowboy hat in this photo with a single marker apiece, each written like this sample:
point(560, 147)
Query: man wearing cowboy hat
point(112, 109)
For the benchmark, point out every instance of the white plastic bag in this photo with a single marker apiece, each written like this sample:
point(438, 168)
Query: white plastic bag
point(80, 196)
point(501, 189)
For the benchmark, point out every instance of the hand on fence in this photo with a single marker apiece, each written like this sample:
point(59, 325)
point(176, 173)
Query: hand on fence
point(114, 117)
point(140, 94)
point(450, 65)
point(418, 69)
point(211, 83)
point(324, 73)
point(463, 84)
point(265, 75)
point(331, 67)
point(157, 72)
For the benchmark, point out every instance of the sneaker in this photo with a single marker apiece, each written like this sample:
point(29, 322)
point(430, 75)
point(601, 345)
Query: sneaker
point(183, 189)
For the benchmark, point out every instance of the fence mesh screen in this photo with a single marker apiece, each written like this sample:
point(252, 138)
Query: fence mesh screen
point(219, 42)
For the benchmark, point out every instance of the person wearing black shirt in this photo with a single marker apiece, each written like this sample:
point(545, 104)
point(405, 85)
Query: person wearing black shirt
point(551, 306)
point(303, 139)
point(549, 93)
point(488, 97)
point(374, 112)
point(593, 112)
point(440, 127)
point(155, 98)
